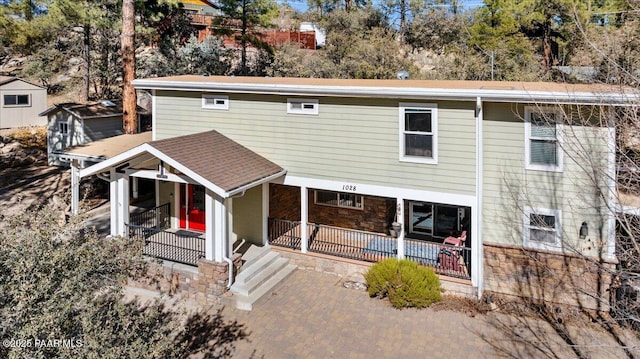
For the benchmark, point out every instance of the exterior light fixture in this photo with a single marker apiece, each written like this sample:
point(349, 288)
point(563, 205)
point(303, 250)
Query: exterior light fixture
point(584, 230)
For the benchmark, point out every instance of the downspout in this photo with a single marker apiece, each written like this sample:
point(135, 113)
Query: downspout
point(479, 193)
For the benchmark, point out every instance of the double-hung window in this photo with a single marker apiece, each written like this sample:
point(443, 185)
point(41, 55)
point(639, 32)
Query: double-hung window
point(543, 150)
point(17, 100)
point(542, 228)
point(418, 133)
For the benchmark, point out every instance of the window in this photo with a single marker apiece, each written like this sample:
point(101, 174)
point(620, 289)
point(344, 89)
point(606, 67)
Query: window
point(418, 133)
point(339, 199)
point(17, 100)
point(302, 106)
point(542, 228)
point(63, 127)
point(542, 147)
point(215, 102)
point(437, 220)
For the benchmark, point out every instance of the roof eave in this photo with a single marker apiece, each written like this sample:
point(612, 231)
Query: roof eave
point(555, 97)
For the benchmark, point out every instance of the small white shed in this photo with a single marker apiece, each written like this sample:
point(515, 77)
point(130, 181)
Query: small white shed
point(21, 102)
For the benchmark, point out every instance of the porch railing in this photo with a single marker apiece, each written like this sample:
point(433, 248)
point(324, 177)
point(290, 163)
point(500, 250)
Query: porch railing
point(157, 217)
point(371, 247)
point(171, 246)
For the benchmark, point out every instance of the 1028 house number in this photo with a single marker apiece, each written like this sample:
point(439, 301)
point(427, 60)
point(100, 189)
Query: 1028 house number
point(349, 187)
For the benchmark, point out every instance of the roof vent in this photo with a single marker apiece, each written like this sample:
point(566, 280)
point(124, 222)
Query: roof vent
point(107, 103)
point(403, 75)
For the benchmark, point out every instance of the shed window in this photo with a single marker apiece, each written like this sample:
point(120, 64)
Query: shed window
point(17, 100)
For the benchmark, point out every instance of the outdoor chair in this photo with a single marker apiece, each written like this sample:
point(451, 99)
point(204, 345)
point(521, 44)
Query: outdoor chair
point(456, 241)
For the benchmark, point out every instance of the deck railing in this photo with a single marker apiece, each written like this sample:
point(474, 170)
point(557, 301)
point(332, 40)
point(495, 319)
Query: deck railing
point(172, 246)
point(157, 217)
point(371, 247)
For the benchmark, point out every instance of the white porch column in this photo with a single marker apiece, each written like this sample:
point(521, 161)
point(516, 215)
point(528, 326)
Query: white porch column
point(229, 226)
point(209, 224)
point(123, 203)
point(265, 214)
point(113, 198)
point(75, 186)
point(219, 220)
point(304, 219)
point(134, 184)
point(400, 219)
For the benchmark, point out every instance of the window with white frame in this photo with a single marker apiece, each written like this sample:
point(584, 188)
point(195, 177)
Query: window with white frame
point(302, 106)
point(418, 133)
point(542, 228)
point(543, 150)
point(63, 127)
point(17, 100)
point(338, 199)
point(215, 102)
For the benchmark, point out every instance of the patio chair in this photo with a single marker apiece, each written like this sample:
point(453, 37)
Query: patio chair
point(456, 241)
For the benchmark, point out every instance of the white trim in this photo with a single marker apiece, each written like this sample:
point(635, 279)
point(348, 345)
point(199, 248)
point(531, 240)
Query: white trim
point(209, 214)
point(477, 264)
point(528, 110)
point(307, 106)
point(154, 113)
point(383, 191)
point(416, 93)
point(526, 241)
point(152, 174)
point(431, 107)
point(400, 219)
point(113, 202)
point(221, 102)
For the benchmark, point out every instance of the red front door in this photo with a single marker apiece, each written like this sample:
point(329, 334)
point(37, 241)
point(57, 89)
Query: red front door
point(192, 207)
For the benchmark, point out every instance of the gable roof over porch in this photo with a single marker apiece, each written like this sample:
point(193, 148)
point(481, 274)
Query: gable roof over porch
point(209, 158)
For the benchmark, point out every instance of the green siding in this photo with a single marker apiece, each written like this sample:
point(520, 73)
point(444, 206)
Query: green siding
point(509, 187)
point(247, 216)
point(349, 140)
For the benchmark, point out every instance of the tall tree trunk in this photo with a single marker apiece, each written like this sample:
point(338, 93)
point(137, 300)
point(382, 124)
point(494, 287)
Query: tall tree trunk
point(129, 115)
point(243, 40)
point(86, 61)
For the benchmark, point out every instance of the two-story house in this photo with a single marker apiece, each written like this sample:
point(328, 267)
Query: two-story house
point(482, 181)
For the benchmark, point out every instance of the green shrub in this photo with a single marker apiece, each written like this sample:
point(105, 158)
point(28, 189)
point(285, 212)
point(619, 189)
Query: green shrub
point(404, 282)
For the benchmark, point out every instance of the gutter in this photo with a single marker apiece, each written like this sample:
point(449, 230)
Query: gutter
point(242, 189)
point(491, 95)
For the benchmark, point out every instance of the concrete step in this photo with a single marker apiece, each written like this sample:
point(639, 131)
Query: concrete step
point(247, 302)
point(254, 253)
point(253, 268)
point(259, 276)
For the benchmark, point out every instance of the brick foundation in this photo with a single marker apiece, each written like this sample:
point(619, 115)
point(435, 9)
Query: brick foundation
point(548, 276)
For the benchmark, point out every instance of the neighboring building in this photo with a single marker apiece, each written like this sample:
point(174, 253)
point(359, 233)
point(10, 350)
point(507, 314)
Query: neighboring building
point(73, 124)
point(460, 176)
point(21, 103)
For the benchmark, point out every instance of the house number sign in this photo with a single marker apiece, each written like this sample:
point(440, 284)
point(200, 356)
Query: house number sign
point(349, 187)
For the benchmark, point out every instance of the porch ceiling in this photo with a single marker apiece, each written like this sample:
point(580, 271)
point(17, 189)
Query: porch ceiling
point(209, 158)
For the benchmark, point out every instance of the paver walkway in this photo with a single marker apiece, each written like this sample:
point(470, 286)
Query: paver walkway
point(311, 315)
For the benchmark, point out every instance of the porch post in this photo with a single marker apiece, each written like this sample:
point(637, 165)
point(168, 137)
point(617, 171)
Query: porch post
point(228, 205)
point(123, 203)
point(75, 186)
point(113, 199)
point(304, 219)
point(265, 214)
point(209, 216)
point(218, 229)
point(400, 219)
point(134, 184)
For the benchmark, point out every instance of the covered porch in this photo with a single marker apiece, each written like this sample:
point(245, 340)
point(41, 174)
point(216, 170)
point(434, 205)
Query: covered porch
point(198, 179)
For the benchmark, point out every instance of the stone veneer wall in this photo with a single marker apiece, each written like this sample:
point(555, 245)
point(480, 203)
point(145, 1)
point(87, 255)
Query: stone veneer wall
point(548, 276)
point(377, 214)
point(207, 284)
